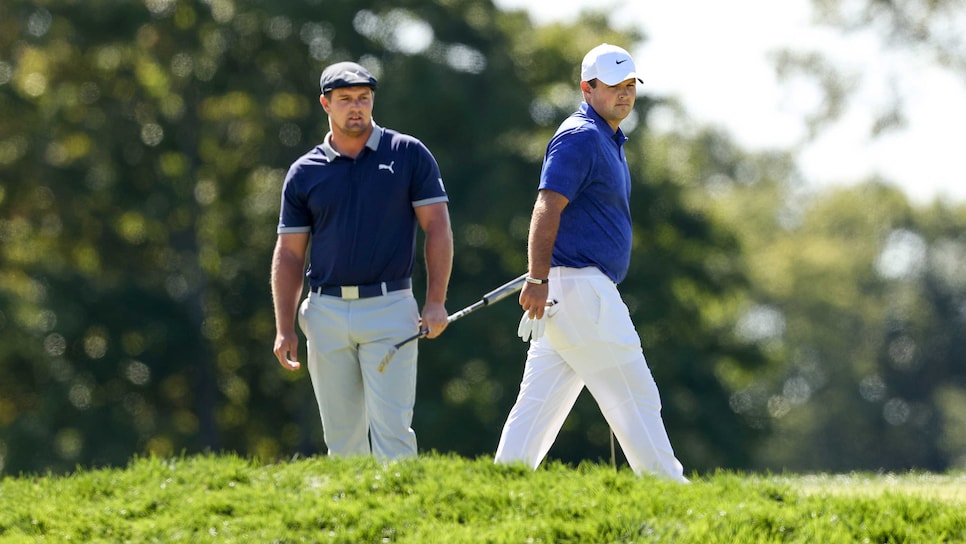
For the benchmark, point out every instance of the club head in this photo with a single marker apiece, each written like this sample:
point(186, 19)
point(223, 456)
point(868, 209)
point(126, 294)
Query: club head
point(385, 360)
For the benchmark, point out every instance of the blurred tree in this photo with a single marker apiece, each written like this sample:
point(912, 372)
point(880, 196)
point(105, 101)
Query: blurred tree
point(861, 297)
point(930, 27)
point(141, 143)
point(918, 34)
point(142, 150)
point(863, 285)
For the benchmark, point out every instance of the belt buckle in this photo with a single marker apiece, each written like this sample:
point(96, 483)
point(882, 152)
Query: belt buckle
point(350, 292)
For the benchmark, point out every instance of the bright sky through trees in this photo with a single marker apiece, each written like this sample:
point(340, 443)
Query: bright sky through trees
point(714, 57)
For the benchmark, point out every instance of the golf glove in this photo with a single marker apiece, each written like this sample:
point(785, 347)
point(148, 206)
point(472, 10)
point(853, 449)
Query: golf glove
point(531, 328)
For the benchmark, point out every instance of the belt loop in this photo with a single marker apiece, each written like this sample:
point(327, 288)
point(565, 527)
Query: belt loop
point(384, 289)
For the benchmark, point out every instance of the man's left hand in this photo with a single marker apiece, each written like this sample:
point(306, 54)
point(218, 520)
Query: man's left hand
point(434, 319)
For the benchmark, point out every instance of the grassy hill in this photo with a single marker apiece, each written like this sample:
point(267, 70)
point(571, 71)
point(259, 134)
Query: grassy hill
point(437, 498)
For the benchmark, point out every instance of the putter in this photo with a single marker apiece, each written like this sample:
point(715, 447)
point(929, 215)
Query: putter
point(613, 451)
point(495, 295)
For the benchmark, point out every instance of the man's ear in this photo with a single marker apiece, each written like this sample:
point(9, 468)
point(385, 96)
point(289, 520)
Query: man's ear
point(324, 102)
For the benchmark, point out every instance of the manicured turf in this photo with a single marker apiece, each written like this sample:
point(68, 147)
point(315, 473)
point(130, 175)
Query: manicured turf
point(437, 498)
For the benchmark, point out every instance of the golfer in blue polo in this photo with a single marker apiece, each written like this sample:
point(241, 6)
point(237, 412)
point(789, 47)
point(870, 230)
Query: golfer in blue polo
point(579, 250)
point(350, 208)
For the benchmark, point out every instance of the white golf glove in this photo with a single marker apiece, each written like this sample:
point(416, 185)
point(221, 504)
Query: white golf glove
point(531, 328)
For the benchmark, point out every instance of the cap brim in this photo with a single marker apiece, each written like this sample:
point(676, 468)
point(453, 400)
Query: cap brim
point(615, 77)
point(341, 84)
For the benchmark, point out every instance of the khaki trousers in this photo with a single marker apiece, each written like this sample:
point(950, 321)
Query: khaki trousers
point(363, 412)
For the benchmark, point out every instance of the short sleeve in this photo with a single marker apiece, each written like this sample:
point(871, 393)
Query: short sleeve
point(569, 159)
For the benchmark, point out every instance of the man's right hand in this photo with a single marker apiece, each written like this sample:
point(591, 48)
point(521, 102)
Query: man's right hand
point(533, 299)
point(287, 349)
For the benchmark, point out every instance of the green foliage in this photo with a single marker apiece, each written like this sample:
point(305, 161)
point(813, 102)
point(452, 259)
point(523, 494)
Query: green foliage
point(143, 148)
point(859, 297)
point(436, 497)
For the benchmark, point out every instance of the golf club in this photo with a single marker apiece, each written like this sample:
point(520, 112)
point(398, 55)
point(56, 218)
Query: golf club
point(613, 451)
point(495, 295)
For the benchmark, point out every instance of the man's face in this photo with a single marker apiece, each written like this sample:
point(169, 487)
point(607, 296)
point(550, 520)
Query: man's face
point(349, 109)
point(612, 102)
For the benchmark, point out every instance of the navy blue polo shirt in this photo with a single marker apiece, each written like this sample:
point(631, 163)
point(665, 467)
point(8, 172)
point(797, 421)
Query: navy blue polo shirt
point(585, 162)
point(360, 212)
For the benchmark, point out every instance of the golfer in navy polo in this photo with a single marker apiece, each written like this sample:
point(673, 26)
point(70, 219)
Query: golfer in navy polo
point(351, 207)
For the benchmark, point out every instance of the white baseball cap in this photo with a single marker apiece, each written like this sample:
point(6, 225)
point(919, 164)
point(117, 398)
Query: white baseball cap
point(608, 63)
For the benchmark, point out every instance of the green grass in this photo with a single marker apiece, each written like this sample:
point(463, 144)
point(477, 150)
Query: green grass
point(437, 498)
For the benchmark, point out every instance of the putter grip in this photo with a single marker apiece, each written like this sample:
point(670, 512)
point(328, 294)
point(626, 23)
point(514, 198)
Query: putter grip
point(504, 290)
point(495, 295)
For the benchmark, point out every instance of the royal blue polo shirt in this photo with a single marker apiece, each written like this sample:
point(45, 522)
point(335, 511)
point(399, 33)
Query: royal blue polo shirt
point(360, 212)
point(585, 162)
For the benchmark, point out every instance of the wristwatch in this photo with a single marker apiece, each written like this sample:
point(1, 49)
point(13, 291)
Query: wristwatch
point(537, 281)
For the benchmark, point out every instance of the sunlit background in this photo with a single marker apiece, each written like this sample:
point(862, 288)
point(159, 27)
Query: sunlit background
point(904, 116)
point(798, 276)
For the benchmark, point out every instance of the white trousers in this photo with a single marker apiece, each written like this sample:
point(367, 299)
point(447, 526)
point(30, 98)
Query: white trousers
point(346, 341)
point(589, 341)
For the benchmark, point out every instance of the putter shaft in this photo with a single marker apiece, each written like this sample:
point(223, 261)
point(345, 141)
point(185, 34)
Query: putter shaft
point(495, 295)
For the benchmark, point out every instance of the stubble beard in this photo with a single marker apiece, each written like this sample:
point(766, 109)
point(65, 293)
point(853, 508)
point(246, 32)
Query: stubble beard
point(354, 127)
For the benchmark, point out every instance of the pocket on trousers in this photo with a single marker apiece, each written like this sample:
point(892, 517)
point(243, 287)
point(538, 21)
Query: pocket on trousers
point(300, 314)
point(614, 324)
point(577, 316)
point(405, 316)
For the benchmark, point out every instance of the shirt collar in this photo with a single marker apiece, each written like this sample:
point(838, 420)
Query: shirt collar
point(618, 135)
point(372, 143)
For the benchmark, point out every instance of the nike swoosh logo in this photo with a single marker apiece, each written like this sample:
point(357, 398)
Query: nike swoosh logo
point(621, 61)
